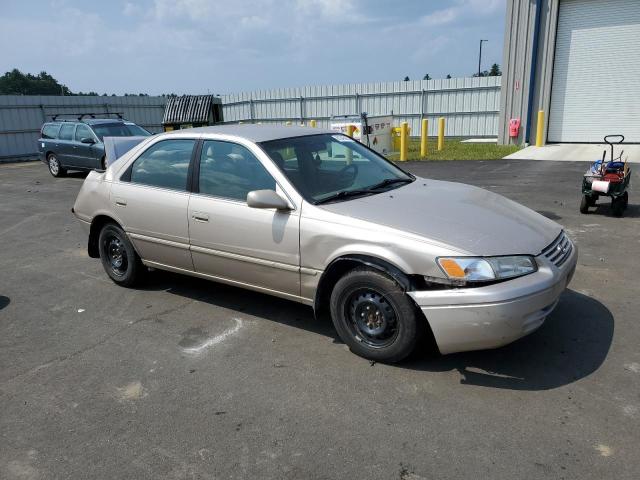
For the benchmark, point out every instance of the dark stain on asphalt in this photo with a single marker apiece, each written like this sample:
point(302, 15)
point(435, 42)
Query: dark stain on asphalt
point(193, 337)
point(549, 215)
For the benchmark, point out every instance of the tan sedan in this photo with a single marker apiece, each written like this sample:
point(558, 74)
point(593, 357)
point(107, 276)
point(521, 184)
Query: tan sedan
point(318, 218)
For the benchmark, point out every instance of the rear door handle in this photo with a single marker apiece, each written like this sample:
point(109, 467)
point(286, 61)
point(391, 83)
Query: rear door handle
point(200, 217)
point(121, 202)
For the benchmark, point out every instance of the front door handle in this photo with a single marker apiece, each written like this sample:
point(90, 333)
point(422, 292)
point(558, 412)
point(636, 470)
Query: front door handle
point(121, 202)
point(200, 217)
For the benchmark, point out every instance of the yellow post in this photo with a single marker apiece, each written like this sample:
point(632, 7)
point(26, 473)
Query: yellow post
point(423, 138)
point(313, 123)
point(404, 141)
point(440, 133)
point(288, 124)
point(540, 129)
point(350, 129)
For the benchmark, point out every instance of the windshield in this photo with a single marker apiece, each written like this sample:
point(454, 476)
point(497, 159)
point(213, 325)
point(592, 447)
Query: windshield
point(118, 130)
point(330, 167)
point(137, 130)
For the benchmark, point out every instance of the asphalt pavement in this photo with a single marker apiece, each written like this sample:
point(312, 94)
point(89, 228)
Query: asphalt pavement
point(187, 379)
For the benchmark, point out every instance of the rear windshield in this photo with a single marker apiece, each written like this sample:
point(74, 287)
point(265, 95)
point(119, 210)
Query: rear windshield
point(118, 130)
point(50, 130)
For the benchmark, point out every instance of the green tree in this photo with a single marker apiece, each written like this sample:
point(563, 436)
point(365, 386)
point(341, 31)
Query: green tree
point(426, 77)
point(495, 70)
point(17, 83)
point(448, 76)
point(406, 79)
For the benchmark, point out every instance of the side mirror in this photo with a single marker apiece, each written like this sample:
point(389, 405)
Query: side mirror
point(88, 140)
point(267, 199)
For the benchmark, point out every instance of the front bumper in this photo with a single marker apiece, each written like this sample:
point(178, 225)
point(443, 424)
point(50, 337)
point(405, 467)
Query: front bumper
point(492, 316)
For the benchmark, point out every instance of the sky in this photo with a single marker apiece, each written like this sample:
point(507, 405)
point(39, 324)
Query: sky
point(220, 47)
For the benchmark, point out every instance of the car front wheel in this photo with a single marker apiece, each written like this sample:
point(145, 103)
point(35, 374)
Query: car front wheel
point(374, 316)
point(55, 167)
point(119, 259)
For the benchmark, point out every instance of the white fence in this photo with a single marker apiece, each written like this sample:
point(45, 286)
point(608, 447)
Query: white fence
point(469, 105)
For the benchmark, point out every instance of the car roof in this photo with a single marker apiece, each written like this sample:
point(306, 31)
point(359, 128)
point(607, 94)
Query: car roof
point(259, 133)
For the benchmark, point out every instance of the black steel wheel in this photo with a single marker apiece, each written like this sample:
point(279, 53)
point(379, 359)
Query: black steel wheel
point(55, 167)
point(371, 318)
point(374, 316)
point(118, 257)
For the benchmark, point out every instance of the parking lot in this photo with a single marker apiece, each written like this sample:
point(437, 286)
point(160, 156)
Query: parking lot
point(187, 379)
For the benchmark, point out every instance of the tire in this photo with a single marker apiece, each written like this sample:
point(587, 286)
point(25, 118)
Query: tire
point(55, 167)
point(119, 259)
point(103, 163)
point(391, 329)
point(625, 199)
point(617, 206)
point(584, 204)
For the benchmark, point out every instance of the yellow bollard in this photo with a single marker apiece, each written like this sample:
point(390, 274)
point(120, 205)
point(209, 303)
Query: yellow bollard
point(288, 124)
point(423, 138)
point(440, 133)
point(540, 129)
point(350, 129)
point(404, 141)
point(313, 123)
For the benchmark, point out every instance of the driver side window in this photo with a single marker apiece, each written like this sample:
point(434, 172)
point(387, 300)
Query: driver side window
point(231, 171)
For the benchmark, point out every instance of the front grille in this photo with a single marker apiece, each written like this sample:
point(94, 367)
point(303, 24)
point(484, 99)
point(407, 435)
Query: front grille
point(559, 250)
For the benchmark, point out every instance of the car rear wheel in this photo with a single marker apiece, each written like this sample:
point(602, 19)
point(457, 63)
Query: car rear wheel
point(119, 259)
point(374, 316)
point(55, 167)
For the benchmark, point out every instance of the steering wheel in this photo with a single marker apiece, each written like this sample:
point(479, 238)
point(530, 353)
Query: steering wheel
point(348, 173)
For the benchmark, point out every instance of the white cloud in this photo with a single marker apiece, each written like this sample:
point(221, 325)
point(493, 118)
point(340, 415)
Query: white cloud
point(131, 9)
point(329, 8)
point(441, 17)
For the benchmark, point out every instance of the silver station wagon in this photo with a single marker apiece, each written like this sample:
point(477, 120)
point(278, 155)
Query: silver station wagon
point(318, 218)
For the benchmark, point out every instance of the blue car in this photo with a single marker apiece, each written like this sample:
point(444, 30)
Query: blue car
point(79, 145)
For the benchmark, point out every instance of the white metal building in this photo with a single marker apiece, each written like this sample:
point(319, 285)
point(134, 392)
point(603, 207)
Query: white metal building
point(579, 62)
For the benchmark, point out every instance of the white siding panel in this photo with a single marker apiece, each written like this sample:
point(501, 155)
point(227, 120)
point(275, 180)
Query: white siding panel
point(596, 77)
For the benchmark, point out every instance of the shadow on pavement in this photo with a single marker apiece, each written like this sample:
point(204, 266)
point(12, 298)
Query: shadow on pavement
point(572, 343)
point(4, 301)
point(246, 301)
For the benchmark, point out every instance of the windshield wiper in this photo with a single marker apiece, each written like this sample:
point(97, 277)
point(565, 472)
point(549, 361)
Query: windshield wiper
point(389, 181)
point(344, 194)
point(367, 191)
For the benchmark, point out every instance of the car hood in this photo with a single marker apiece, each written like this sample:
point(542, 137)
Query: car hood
point(467, 218)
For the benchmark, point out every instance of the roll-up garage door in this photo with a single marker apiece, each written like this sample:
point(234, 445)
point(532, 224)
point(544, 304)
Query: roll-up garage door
point(596, 73)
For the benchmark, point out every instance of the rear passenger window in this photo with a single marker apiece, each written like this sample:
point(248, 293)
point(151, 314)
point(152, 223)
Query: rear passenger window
point(50, 130)
point(165, 165)
point(66, 132)
point(231, 171)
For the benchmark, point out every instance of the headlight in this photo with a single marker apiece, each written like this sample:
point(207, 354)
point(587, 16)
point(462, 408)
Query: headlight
point(478, 269)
